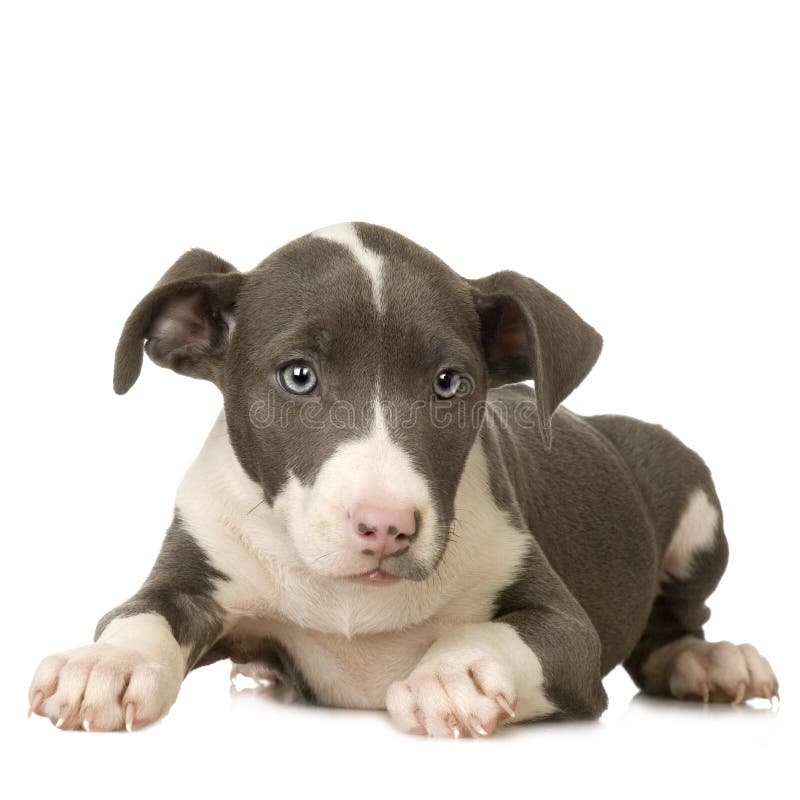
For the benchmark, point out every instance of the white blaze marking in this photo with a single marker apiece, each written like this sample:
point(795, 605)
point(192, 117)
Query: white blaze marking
point(695, 532)
point(372, 262)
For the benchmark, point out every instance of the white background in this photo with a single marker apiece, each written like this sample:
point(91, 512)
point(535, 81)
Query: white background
point(640, 159)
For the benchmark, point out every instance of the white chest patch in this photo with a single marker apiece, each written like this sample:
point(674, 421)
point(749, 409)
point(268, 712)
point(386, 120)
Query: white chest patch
point(350, 641)
point(694, 533)
point(372, 262)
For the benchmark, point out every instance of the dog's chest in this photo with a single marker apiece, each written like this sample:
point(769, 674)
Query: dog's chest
point(347, 642)
point(330, 668)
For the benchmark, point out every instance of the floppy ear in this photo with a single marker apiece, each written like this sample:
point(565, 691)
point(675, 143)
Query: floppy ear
point(184, 323)
point(528, 332)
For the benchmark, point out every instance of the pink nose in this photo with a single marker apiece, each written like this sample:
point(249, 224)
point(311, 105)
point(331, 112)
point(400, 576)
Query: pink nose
point(383, 531)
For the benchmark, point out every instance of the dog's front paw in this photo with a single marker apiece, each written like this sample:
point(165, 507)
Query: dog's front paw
point(458, 693)
point(102, 687)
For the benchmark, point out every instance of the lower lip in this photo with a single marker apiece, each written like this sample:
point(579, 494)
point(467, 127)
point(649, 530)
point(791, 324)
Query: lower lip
point(374, 578)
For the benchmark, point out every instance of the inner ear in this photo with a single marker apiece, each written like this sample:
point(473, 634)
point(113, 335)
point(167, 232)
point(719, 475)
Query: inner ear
point(187, 327)
point(181, 323)
point(504, 334)
point(511, 338)
point(184, 322)
point(529, 332)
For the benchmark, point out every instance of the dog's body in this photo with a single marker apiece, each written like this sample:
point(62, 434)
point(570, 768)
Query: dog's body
point(376, 544)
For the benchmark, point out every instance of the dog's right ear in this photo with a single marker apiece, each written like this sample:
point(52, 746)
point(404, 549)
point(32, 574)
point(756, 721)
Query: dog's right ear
point(184, 323)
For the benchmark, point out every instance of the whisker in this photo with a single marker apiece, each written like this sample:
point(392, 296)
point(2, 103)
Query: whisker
point(263, 500)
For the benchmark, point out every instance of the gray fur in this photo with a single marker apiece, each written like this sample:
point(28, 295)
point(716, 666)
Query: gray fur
point(666, 471)
point(602, 506)
point(180, 588)
point(208, 286)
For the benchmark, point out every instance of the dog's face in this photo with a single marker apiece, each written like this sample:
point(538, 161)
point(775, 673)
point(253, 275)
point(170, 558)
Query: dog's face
point(352, 373)
point(354, 366)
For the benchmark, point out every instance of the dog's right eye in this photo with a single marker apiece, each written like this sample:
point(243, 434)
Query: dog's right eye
point(297, 378)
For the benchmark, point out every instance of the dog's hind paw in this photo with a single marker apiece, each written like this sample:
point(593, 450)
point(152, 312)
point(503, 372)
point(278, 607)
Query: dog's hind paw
point(101, 687)
point(719, 672)
point(256, 671)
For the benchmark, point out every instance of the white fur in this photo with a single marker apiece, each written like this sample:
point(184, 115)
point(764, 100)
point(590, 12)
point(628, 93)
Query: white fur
point(150, 635)
point(694, 533)
point(372, 262)
point(467, 679)
point(371, 471)
point(130, 676)
point(692, 667)
point(351, 641)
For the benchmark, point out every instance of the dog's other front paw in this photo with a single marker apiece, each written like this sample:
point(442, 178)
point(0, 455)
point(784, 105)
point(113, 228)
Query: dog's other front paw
point(460, 693)
point(102, 687)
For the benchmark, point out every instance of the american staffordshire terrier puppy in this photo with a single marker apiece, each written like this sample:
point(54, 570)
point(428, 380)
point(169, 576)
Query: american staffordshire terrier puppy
point(385, 517)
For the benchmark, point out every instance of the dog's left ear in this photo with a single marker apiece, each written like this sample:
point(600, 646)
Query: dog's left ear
point(530, 333)
point(183, 323)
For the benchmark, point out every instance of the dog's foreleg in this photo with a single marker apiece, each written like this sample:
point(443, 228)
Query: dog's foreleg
point(143, 648)
point(471, 679)
point(540, 660)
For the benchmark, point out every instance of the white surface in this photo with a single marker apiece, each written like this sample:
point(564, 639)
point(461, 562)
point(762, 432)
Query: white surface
point(639, 159)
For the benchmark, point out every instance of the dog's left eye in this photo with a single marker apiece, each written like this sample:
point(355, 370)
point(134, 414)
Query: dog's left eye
point(297, 378)
point(447, 383)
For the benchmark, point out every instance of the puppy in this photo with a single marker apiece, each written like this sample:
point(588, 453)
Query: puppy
point(384, 516)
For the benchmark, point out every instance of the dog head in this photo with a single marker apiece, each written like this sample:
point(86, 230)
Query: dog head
point(354, 366)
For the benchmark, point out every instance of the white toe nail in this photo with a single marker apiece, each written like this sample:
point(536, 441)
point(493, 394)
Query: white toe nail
point(130, 713)
point(59, 722)
point(86, 726)
point(505, 705)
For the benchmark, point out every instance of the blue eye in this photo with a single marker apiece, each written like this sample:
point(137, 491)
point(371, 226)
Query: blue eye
point(447, 383)
point(297, 378)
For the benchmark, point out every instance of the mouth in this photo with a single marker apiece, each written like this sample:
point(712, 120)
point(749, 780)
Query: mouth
point(375, 577)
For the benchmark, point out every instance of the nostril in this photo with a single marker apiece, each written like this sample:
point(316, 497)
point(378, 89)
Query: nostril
point(382, 529)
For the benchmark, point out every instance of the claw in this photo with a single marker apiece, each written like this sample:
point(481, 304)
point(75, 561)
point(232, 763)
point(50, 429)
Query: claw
point(476, 726)
point(741, 690)
point(452, 723)
point(130, 713)
point(59, 722)
point(704, 692)
point(34, 707)
point(86, 726)
point(505, 705)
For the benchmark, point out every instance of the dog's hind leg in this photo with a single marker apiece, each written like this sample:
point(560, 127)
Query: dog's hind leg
point(672, 658)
